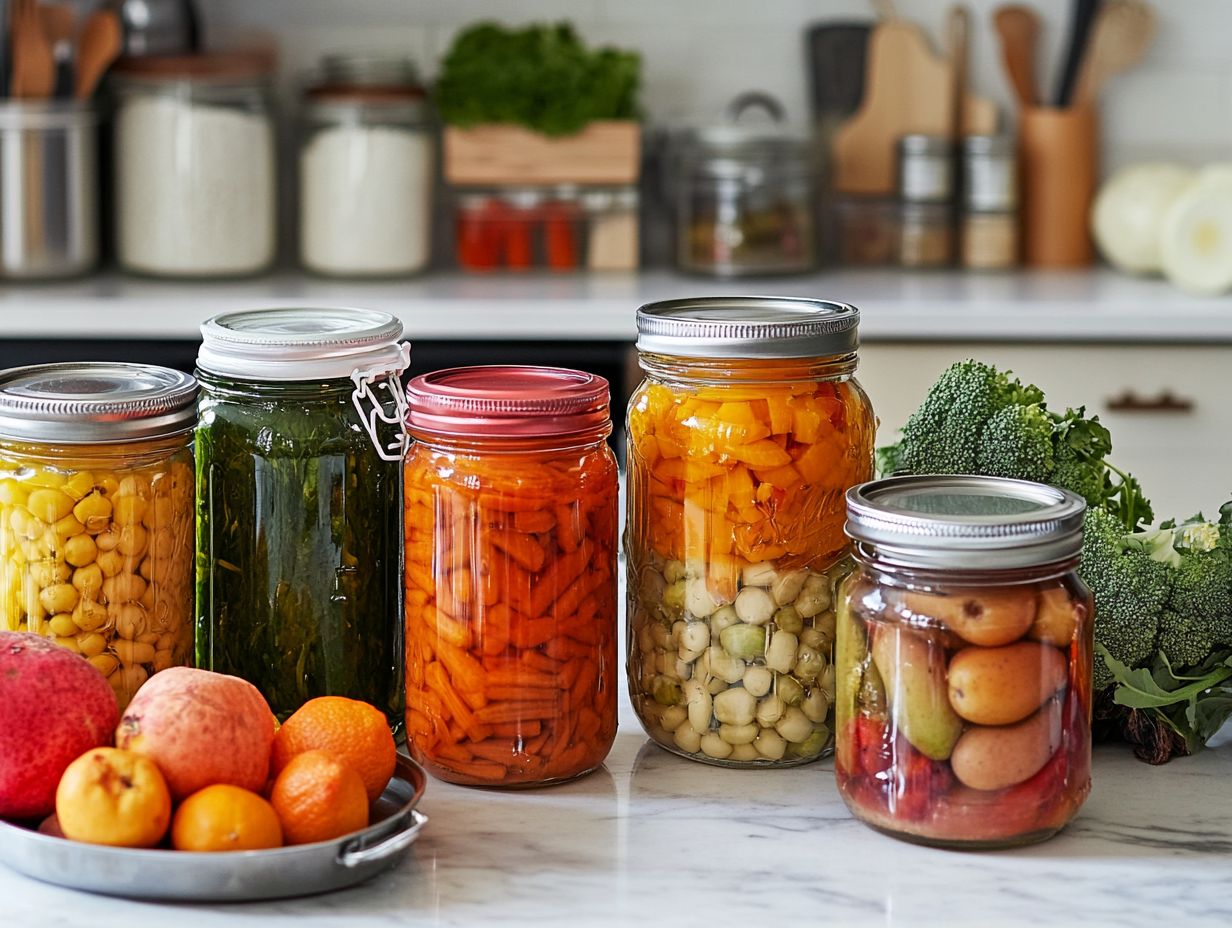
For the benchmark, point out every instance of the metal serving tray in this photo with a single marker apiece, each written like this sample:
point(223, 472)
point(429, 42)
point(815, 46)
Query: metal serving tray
point(237, 876)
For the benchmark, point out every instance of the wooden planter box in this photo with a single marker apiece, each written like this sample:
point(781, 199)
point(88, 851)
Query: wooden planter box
point(605, 152)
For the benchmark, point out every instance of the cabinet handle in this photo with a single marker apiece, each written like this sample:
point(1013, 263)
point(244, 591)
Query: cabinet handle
point(1164, 402)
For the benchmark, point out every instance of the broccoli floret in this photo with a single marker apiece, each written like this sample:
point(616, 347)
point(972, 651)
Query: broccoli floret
point(1074, 472)
point(1198, 618)
point(944, 435)
point(1017, 442)
point(1130, 588)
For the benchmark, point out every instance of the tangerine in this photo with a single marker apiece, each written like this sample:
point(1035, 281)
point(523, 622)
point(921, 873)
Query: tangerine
point(318, 797)
point(353, 731)
point(223, 817)
point(114, 797)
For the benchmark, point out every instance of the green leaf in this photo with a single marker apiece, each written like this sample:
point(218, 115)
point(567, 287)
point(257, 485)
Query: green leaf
point(1140, 689)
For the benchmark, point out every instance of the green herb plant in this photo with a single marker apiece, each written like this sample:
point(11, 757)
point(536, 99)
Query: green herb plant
point(540, 76)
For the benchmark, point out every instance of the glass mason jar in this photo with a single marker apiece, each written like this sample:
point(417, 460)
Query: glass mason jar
point(742, 440)
point(511, 514)
point(367, 165)
point(964, 661)
point(746, 198)
point(299, 450)
point(96, 513)
point(195, 172)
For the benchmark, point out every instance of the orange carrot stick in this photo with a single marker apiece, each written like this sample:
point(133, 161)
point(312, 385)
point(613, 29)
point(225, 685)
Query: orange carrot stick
point(471, 726)
point(466, 673)
point(524, 550)
point(536, 522)
point(562, 572)
point(497, 712)
point(528, 678)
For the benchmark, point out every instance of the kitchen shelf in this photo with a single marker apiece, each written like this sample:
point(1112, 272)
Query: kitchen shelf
point(1081, 306)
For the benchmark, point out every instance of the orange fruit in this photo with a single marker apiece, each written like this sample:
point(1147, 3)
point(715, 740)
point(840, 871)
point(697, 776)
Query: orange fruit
point(223, 817)
point(115, 797)
point(318, 797)
point(353, 731)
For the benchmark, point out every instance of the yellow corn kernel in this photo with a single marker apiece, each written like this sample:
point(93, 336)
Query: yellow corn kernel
point(79, 485)
point(68, 527)
point(163, 659)
point(80, 550)
point(110, 562)
point(134, 485)
point(89, 580)
point(46, 479)
point(160, 512)
point(129, 510)
point(133, 652)
point(49, 505)
point(48, 572)
point(130, 620)
point(63, 626)
point(104, 663)
point(94, 512)
point(134, 540)
point(12, 493)
point(67, 643)
point(108, 484)
point(150, 638)
point(123, 588)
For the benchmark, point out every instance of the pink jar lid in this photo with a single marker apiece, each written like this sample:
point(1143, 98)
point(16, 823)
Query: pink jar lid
point(508, 401)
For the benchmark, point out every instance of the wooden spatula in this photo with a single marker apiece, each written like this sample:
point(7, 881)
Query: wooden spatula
point(100, 44)
point(34, 65)
point(1019, 29)
point(1122, 32)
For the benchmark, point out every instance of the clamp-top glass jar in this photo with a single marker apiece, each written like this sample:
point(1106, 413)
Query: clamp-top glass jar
point(964, 661)
point(511, 512)
point(299, 451)
point(96, 513)
point(743, 438)
point(366, 169)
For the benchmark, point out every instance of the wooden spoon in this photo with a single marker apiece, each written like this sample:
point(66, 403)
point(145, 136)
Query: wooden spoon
point(1122, 32)
point(1019, 29)
point(34, 65)
point(59, 21)
point(100, 44)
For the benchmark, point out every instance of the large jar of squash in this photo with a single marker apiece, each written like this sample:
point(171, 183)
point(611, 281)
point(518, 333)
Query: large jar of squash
point(746, 432)
point(510, 526)
point(96, 513)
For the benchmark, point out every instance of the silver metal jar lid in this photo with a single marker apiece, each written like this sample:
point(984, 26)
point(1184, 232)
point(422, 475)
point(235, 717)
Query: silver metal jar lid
point(748, 327)
point(95, 402)
point(301, 344)
point(964, 522)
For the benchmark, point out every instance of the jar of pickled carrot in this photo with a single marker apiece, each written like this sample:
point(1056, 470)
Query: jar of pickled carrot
point(964, 661)
point(746, 432)
point(510, 528)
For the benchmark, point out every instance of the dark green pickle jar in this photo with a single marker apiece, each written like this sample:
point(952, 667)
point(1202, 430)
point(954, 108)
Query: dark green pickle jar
point(298, 453)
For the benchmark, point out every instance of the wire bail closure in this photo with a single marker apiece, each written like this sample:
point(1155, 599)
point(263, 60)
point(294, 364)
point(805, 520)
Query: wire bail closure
point(368, 384)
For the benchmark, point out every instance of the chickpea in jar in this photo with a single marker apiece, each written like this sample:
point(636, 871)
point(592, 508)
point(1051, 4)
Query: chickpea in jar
point(96, 539)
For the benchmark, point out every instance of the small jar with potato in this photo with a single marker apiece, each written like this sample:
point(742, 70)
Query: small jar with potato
point(96, 513)
point(964, 659)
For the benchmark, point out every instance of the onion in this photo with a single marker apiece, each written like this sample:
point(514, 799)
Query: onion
point(1128, 214)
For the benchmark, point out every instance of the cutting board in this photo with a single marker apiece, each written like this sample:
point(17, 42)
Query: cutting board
point(908, 88)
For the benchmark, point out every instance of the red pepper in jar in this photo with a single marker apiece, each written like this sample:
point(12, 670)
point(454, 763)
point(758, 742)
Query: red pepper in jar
point(475, 242)
point(560, 231)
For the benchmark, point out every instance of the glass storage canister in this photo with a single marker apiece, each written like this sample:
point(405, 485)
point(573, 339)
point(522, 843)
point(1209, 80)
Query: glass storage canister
point(746, 432)
point(511, 520)
point(299, 449)
point(367, 166)
point(964, 661)
point(990, 201)
point(96, 513)
point(926, 194)
point(746, 198)
point(195, 176)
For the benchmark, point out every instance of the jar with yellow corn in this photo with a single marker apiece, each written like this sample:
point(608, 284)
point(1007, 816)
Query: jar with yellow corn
point(96, 513)
point(743, 438)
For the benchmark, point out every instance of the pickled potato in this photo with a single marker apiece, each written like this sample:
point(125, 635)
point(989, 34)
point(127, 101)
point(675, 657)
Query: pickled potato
point(98, 557)
point(985, 617)
point(1056, 617)
point(989, 758)
point(1000, 686)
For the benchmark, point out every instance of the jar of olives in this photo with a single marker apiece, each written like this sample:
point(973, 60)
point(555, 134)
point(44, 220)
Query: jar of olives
point(96, 513)
point(964, 661)
point(742, 440)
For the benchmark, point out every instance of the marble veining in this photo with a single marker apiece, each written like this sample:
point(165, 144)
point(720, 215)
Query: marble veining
point(652, 839)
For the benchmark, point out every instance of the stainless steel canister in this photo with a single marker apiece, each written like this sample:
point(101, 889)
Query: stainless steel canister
point(48, 189)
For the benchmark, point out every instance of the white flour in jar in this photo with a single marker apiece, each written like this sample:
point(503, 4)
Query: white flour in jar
point(366, 200)
point(194, 188)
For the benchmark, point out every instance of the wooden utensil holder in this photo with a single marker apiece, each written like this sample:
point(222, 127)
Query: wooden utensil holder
point(1059, 155)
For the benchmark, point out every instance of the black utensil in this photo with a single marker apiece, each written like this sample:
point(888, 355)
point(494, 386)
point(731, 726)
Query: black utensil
point(836, 68)
point(1083, 15)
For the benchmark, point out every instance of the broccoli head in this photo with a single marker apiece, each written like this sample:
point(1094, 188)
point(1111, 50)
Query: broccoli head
point(1130, 587)
point(1016, 441)
point(1198, 617)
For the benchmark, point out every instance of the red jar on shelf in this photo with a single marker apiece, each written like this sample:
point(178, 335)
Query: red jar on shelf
point(964, 661)
point(511, 496)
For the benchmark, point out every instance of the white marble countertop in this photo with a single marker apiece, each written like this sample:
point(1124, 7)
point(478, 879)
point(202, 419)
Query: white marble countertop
point(1097, 305)
point(652, 839)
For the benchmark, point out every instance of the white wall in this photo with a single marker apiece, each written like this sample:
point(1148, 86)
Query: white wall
point(699, 53)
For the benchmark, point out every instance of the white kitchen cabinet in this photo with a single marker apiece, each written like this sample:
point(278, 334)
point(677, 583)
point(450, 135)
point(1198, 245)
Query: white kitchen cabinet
point(1169, 408)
